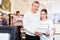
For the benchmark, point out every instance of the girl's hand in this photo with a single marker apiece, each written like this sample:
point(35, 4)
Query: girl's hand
point(38, 33)
point(54, 30)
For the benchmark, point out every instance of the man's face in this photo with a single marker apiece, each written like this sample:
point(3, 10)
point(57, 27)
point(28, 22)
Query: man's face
point(35, 7)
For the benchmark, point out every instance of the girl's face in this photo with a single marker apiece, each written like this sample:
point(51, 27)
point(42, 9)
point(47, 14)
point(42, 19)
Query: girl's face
point(43, 15)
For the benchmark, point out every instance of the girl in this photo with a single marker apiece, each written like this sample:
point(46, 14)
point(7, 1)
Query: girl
point(46, 25)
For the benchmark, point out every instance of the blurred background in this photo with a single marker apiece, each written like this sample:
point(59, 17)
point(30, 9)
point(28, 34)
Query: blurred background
point(9, 7)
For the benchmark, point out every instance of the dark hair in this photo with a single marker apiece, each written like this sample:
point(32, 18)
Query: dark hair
point(37, 2)
point(17, 12)
point(45, 10)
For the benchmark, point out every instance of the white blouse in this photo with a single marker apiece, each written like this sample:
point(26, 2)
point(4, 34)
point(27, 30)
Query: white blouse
point(46, 25)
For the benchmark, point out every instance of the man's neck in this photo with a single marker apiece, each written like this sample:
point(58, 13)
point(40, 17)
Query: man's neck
point(33, 12)
point(44, 19)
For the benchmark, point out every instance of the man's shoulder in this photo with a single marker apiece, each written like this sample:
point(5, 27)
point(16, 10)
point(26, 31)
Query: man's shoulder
point(27, 13)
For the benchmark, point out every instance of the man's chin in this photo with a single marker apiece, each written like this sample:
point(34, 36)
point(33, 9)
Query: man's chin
point(35, 11)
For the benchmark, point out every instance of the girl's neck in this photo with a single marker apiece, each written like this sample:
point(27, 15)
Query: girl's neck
point(44, 19)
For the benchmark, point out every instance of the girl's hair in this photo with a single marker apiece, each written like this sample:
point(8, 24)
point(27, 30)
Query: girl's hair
point(44, 11)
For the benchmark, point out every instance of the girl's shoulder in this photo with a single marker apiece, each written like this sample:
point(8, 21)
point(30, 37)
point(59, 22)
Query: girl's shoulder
point(49, 20)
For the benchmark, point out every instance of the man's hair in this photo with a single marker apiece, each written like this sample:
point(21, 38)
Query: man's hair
point(37, 2)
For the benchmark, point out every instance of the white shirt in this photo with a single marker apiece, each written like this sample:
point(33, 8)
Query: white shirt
point(30, 21)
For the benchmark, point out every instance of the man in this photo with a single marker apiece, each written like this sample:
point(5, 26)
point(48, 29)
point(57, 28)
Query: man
point(30, 21)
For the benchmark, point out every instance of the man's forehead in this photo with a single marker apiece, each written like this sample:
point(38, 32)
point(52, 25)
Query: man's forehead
point(35, 4)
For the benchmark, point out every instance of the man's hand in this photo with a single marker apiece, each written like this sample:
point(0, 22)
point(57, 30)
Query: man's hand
point(38, 33)
point(47, 33)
